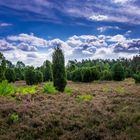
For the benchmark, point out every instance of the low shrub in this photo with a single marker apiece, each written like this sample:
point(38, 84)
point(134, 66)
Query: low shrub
point(26, 90)
point(13, 118)
point(68, 90)
point(49, 88)
point(85, 97)
point(137, 78)
point(6, 88)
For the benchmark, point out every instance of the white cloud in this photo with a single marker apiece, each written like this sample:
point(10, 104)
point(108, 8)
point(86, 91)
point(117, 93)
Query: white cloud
point(75, 47)
point(98, 17)
point(5, 46)
point(30, 39)
point(105, 28)
point(117, 38)
point(5, 24)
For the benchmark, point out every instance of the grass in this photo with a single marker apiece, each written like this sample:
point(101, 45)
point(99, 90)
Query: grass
point(106, 89)
point(13, 118)
point(49, 88)
point(26, 90)
point(85, 97)
point(68, 91)
point(6, 89)
point(120, 90)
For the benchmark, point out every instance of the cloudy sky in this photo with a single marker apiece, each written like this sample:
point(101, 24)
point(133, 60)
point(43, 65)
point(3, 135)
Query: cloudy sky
point(30, 29)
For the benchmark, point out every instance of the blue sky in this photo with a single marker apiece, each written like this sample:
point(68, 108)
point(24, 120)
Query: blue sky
point(29, 30)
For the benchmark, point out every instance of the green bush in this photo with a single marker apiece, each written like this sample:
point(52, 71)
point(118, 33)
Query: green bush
point(26, 90)
point(38, 77)
point(76, 75)
point(47, 71)
point(95, 74)
point(59, 72)
point(2, 67)
point(137, 78)
point(106, 75)
point(118, 72)
point(33, 76)
point(49, 88)
point(86, 75)
point(10, 75)
point(6, 88)
point(13, 118)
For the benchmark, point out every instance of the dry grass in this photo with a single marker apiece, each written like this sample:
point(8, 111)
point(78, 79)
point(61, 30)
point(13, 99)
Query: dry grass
point(113, 114)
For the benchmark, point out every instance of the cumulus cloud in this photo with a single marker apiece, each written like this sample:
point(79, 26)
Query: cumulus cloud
point(75, 47)
point(5, 46)
point(26, 47)
point(30, 39)
point(98, 17)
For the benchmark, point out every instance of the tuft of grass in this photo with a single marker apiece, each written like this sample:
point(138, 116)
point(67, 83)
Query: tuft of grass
point(6, 88)
point(85, 97)
point(49, 88)
point(26, 90)
point(106, 89)
point(13, 118)
point(119, 90)
point(68, 91)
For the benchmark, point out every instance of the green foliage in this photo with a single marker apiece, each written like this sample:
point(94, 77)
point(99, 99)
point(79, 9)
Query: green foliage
point(26, 90)
point(68, 90)
point(2, 67)
point(106, 75)
point(85, 74)
point(76, 75)
point(49, 88)
point(59, 73)
point(19, 70)
point(6, 88)
point(10, 75)
point(38, 77)
point(137, 78)
point(95, 74)
point(13, 118)
point(47, 71)
point(118, 72)
point(33, 76)
point(85, 97)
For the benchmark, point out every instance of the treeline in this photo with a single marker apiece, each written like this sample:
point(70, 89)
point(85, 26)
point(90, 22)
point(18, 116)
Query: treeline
point(90, 70)
point(84, 71)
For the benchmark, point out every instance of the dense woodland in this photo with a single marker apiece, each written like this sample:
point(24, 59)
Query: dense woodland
point(80, 71)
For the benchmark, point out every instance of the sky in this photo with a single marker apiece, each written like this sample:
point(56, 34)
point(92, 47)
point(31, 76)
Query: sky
point(105, 29)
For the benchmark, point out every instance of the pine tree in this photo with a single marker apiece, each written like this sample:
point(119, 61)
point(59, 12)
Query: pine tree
point(47, 71)
point(59, 73)
point(118, 72)
point(10, 75)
